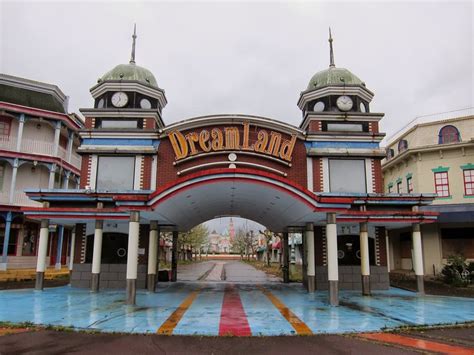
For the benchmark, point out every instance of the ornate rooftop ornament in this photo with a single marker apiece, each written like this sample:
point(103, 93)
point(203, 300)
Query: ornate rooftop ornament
point(331, 51)
point(134, 37)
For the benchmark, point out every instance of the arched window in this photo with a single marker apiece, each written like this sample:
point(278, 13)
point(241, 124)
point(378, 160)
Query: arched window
point(390, 153)
point(402, 145)
point(448, 134)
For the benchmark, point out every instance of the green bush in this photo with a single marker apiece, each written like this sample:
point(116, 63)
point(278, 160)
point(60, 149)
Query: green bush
point(458, 272)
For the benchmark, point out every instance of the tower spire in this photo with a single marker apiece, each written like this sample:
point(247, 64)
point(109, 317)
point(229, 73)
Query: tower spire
point(331, 51)
point(134, 36)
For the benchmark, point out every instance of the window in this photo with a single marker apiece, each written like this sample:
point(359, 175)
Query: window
point(399, 187)
point(409, 185)
point(448, 134)
point(468, 182)
point(390, 189)
point(390, 153)
point(345, 127)
point(4, 128)
point(12, 240)
point(402, 145)
point(115, 173)
point(119, 123)
point(442, 184)
point(341, 169)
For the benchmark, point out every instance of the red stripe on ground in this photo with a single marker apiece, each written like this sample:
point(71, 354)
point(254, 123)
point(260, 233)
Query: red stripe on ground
point(419, 344)
point(233, 318)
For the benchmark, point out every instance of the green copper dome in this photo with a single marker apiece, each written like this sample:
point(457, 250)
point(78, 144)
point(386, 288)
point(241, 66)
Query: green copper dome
point(130, 72)
point(333, 76)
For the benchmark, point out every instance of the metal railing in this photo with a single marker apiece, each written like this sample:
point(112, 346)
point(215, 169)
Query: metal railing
point(33, 146)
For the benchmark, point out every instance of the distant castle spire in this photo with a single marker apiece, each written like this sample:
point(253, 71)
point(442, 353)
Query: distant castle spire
point(231, 230)
point(331, 51)
point(134, 36)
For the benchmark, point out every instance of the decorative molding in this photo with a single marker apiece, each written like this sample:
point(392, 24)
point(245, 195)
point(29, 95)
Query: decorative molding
point(440, 169)
point(468, 166)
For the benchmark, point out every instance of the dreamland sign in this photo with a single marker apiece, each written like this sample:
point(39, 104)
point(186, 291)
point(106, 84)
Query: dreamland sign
point(232, 139)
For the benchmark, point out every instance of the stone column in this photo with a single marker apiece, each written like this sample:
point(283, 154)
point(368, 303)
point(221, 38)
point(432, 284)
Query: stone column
point(59, 247)
point(57, 133)
point(174, 257)
point(418, 258)
point(52, 175)
point(132, 257)
point(364, 258)
point(152, 255)
point(15, 166)
point(286, 258)
point(42, 251)
point(67, 174)
point(311, 268)
point(6, 241)
point(73, 246)
point(97, 255)
point(19, 136)
point(333, 270)
point(70, 143)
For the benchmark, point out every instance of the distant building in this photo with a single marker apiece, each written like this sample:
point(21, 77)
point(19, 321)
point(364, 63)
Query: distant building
point(219, 243)
point(38, 142)
point(434, 157)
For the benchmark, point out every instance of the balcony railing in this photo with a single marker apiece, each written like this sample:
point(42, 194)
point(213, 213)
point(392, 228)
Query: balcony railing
point(39, 147)
point(19, 199)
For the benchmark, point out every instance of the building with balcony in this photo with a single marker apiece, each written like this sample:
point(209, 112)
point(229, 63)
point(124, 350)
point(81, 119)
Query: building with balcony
point(38, 142)
point(434, 154)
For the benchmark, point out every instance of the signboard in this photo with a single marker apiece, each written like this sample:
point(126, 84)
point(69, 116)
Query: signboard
point(231, 138)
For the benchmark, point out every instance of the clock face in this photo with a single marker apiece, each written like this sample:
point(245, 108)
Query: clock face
point(319, 106)
point(344, 103)
point(145, 103)
point(119, 99)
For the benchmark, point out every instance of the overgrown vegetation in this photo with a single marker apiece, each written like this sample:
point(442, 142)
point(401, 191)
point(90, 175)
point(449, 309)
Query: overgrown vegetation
point(458, 272)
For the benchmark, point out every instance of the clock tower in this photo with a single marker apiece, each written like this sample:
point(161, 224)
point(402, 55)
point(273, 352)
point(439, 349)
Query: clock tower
point(120, 141)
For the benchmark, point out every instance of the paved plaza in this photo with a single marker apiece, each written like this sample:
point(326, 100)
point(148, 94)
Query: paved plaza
point(256, 307)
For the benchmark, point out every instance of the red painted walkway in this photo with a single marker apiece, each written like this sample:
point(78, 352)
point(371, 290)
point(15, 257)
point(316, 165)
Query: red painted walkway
point(233, 318)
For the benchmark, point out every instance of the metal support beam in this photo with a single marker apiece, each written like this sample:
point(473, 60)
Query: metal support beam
point(174, 257)
point(364, 258)
point(97, 255)
point(153, 245)
point(132, 257)
point(311, 269)
point(333, 268)
point(286, 258)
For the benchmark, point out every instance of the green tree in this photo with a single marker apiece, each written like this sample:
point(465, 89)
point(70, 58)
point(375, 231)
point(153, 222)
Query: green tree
point(193, 240)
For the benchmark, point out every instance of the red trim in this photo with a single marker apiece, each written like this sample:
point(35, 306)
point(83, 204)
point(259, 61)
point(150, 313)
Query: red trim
point(40, 113)
point(43, 158)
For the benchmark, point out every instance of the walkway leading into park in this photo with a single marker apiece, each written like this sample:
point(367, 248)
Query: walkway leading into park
point(212, 308)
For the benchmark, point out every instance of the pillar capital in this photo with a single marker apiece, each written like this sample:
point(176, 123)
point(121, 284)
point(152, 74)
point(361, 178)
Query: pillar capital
point(364, 227)
point(309, 227)
point(416, 227)
point(99, 224)
point(331, 218)
point(153, 225)
point(134, 216)
point(45, 223)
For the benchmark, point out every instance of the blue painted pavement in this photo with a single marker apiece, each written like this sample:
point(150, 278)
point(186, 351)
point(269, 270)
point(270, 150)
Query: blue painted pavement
point(106, 310)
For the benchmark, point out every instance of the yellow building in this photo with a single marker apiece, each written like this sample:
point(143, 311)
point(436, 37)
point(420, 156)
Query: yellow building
point(434, 154)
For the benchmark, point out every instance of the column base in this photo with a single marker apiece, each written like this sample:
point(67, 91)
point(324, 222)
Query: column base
point(334, 293)
point(366, 285)
point(131, 291)
point(311, 283)
point(95, 282)
point(151, 282)
point(39, 281)
point(420, 284)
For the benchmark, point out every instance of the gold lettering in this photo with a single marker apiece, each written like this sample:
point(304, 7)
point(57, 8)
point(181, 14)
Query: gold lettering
point(245, 141)
point(178, 142)
point(274, 144)
point(287, 148)
point(262, 141)
point(217, 139)
point(203, 139)
point(192, 138)
point(232, 138)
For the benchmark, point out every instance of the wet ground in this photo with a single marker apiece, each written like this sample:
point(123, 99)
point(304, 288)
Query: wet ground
point(207, 306)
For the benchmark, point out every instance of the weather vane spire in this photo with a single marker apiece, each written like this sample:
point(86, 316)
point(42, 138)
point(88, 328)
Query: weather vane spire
point(134, 36)
point(331, 51)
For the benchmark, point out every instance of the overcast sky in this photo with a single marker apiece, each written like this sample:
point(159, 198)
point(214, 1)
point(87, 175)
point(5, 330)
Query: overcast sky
point(250, 58)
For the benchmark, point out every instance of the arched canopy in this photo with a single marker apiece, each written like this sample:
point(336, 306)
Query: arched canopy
point(267, 199)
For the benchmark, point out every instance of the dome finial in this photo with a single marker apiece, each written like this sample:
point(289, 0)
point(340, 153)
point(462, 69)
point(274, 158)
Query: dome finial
point(134, 36)
point(331, 51)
